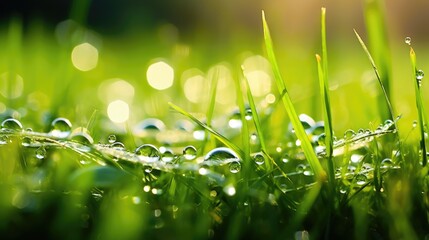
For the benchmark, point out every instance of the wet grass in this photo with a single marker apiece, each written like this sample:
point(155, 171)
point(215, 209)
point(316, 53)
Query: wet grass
point(205, 170)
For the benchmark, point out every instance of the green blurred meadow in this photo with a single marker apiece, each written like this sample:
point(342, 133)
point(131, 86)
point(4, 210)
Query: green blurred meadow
point(113, 66)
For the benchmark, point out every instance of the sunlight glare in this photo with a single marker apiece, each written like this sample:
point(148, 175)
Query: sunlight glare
point(118, 111)
point(160, 75)
point(84, 57)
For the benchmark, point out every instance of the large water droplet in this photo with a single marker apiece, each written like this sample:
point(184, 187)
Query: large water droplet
point(408, 41)
point(147, 169)
point(189, 152)
point(147, 153)
point(259, 158)
point(221, 155)
point(81, 135)
point(248, 114)
point(111, 138)
point(11, 124)
point(148, 125)
point(234, 166)
point(349, 134)
point(61, 127)
point(300, 168)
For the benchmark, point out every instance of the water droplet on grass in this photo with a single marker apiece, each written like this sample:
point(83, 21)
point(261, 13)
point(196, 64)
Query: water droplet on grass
point(349, 134)
point(229, 190)
point(408, 41)
point(41, 153)
point(118, 146)
point(419, 76)
point(167, 156)
point(81, 135)
point(220, 156)
point(386, 163)
point(414, 123)
point(300, 168)
point(234, 166)
point(60, 127)
point(235, 120)
point(259, 158)
point(361, 179)
point(248, 114)
point(111, 138)
point(11, 124)
point(147, 169)
point(147, 153)
point(189, 152)
point(285, 158)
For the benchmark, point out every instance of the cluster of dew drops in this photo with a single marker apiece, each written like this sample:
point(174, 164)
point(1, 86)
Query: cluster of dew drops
point(218, 163)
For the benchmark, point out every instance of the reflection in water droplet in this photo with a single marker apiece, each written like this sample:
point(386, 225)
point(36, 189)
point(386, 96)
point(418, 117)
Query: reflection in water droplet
point(147, 153)
point(189, 152)
point(234, 166)
point(60, 128)
point(11, 124)
point(40, 153)
point(248, 115)
point(111, 138)
point(408, 41)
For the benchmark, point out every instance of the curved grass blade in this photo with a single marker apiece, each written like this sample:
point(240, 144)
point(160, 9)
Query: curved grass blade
point(296, 123)
point(419, 104)
point(377, 74)
point(221, 138)
point(322, 67)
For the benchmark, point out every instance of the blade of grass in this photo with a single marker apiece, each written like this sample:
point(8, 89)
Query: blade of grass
point(244, 128)
point(324, 92)
point(377, 74)
point(221, 138)
point(419, 104)
point(309, 153)
point(377, 37)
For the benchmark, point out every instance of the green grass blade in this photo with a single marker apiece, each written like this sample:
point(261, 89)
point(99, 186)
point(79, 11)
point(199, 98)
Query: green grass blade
point(244, 128)
point(419, 104)
point(221, 138)
point(378, 44)
point(296, 123)
point(324, 92)
point(377, 74)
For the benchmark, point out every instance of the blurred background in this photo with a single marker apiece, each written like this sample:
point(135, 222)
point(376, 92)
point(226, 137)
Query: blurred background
point(129, 58)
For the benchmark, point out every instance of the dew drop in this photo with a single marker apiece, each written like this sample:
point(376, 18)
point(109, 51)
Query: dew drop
point(147, 153)
point(60, 127)
point(408, 41)
point(283, 183)
point(118, 146)
point(259, 158)
point(111, 138)
point(300, 168)
point(221, 155)
point(285, 158)
point(248, 114)
point(308, 171)
point(167, 156)
point(147, 169)
point(40, 153)
point(234, 166)
point(235, 120)
point(4, 139)
point(349, 134)
point(189, 152)
point(419, 76)
point(81, 135)
point(361, 179)
point(321, 139)
point(414, 123)
point(386, 163)
point(11, 124)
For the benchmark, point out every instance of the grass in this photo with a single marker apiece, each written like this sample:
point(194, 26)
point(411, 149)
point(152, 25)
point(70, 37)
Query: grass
point(258, 169)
